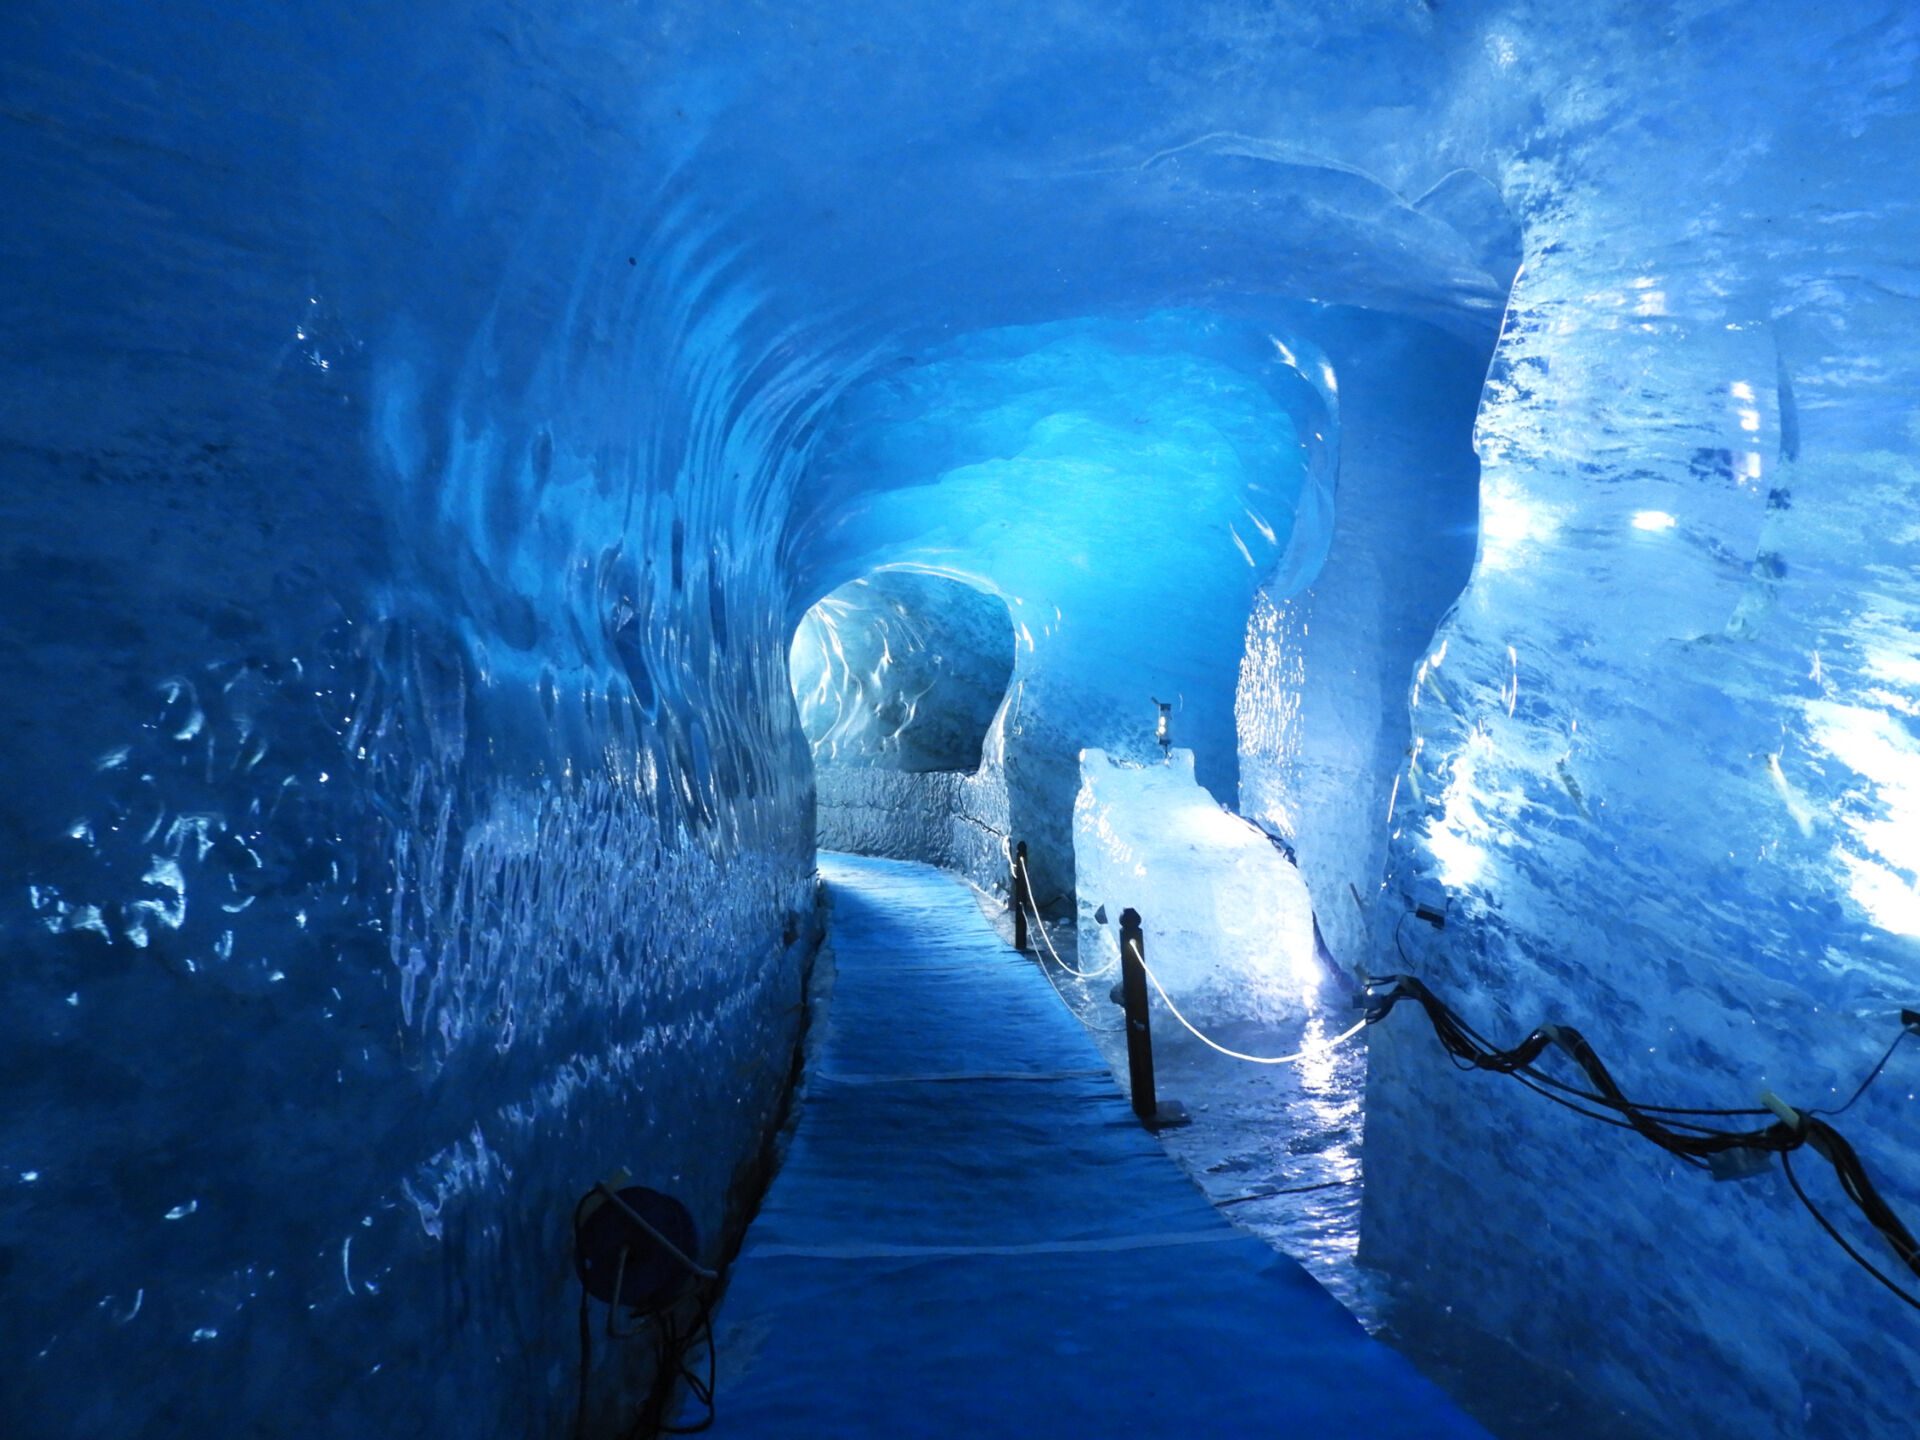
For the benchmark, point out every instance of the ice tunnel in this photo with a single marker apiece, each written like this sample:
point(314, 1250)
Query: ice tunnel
point(902, 671)
point(489, 489)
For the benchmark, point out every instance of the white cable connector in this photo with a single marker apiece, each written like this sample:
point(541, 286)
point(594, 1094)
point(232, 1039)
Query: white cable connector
point(1789, 1116)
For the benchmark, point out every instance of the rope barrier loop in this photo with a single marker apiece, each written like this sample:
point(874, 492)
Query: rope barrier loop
point(1026, 884)
point(1307, 1053)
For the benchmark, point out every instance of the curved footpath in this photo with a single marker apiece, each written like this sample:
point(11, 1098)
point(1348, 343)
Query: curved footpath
point(971, 1236)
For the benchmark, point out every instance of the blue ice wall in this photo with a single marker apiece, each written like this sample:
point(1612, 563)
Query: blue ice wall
point(1664, 750)
point(1322, 714)
point(403, 817)
point(1123, 485)
point(901, 679)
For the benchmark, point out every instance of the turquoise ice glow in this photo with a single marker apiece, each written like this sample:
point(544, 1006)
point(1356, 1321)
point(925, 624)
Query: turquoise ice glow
point(1124, 485)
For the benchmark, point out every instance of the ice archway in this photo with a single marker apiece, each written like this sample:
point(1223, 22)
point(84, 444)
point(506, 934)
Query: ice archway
point(1124, 485)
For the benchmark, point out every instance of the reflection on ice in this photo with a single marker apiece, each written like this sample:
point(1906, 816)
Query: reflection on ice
point(1226, 917)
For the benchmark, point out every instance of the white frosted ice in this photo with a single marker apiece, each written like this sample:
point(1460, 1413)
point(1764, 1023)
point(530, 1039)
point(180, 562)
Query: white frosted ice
point(1226, 918)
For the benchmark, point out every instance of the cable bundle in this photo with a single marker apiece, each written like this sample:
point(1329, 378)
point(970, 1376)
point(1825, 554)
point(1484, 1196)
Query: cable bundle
point(653, 1278)
point(1676, 1129)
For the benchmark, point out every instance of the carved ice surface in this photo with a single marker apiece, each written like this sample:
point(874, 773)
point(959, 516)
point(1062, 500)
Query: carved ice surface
point(901, 671)
point(1227, 922)
point(902, 684)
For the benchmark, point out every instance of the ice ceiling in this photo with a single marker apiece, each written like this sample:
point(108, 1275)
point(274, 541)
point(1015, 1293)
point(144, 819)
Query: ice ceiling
point(426, 425)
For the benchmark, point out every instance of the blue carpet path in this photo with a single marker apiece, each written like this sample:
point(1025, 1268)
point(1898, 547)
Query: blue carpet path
point(972, 1237)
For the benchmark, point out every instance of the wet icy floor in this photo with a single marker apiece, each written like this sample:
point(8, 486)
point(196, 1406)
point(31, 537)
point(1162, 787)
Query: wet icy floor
point(969, 1235)
point(1278, 1148)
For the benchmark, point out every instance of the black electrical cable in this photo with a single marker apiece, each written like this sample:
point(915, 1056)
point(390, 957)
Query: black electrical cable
point(1706, 1111)
point(1872, 1076)
point(1624, 1104)
point(1284, 1190)
point(671, 1350)
point(1786, 1164)
point(1617, 1124)
point(1459, 1039)
point(1574, 1043)
point(670, 1367)
point(586, 1368)
point(1833, 1147)
point(586, 1337)
point(673, 1354)
point(1691, 1143)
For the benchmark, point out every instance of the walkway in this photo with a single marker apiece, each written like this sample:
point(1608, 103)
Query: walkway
point(972, 1237)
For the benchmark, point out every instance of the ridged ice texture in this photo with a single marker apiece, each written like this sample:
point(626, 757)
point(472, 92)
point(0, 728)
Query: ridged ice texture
point(901, 671)
point(951, 818)
point(1322, 713)
point(1122, 487)
point(404, 819)
point(1665, 750)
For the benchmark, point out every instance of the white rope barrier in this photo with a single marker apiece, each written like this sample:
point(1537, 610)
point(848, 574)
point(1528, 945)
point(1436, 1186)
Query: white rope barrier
point(1026, 885)
point(1308, 1053)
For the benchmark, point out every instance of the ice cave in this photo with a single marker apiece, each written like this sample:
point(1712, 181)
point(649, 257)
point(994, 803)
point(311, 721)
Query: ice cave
point(645, 643)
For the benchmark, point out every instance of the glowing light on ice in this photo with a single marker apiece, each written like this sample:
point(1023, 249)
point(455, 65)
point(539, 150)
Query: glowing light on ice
point(1460, 860)
point(1454, 839)
point(1229, 922)
point(1653, 520)
point(1790, 796)
point(1317, 1057)
point(1886, 848)
point(1902, 667)
point(1510, 523)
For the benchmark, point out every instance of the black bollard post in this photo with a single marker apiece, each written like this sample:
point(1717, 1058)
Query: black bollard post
point(1022, 897)
point(1133, 993)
